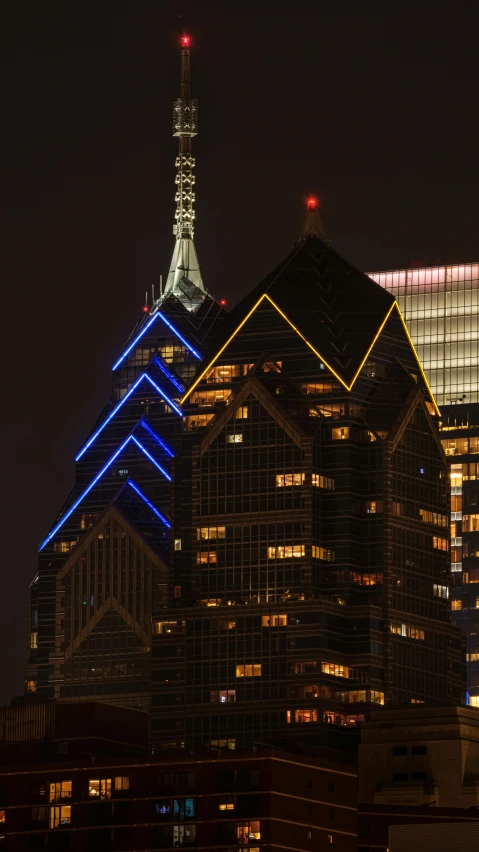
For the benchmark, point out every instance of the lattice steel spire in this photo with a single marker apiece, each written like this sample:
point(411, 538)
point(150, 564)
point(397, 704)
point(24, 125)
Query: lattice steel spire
point(184, 279)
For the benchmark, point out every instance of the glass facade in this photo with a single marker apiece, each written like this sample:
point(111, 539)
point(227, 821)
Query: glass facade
point(441, 308)
point(312, 507)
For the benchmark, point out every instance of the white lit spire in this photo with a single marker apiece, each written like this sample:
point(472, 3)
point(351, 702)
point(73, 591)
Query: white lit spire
point(184, 279)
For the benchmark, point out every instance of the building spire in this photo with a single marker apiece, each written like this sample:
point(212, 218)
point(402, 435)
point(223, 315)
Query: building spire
point(312, 225)
point(184, 279)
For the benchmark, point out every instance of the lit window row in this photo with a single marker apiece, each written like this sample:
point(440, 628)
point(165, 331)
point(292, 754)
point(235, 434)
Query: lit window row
point(208, 533)
point(336, 669)
point(210, 397)
point(321, 481)
point(408, 630)
point(440, 543)
point(440, 591)
point(324, 553)
point(286, 551)
point(249, 670)
point(226, 372)
point(433, 518)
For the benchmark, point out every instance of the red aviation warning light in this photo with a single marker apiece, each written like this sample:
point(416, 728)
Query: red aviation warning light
point(312, 203)
point(186, 41)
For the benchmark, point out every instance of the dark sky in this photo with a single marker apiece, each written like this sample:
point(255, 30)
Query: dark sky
point(376, 112)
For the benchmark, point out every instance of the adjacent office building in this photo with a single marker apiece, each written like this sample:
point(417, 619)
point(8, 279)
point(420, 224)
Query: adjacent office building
point(441, 308)
point(257, 540)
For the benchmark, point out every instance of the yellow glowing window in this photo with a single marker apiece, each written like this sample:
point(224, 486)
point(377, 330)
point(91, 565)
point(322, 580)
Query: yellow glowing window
point(237, 438)
point(99, 788)
point(376, 696)
point(341, 433)
point(210, 397)
point(407, 630)
point(211, 601)
point(64, 546)
point(320, 481)
point(60, 816)
point(226, 803)
point(248, 831)
point(196, 421)
point(286, 551)
point(456, 604)
point(60, 790)
point(171, 353)
point(335, 669)
point(226, 372)
point(302, 716)
point(206, 557)
point(284, 480)
point(34, 639)
point(122, 782)
point(440, 543)
point(440, 591)
point(31, 685)
point(320, 387)
point(249, 670)
point(366, 579)
point(242, 413)
point(358, 695)
point(433, 518)
point(2, 817)
point(210, 533)
point(162, 627)
point(274, 620)
point(324, 553)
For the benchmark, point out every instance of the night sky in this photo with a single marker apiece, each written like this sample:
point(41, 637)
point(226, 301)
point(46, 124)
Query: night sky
point(376, 113)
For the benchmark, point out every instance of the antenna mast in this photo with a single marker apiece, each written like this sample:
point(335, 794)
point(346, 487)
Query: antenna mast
point(185, 126)
point(184, 279)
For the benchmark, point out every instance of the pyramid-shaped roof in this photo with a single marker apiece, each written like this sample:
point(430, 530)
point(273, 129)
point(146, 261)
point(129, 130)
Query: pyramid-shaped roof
point(337, 308)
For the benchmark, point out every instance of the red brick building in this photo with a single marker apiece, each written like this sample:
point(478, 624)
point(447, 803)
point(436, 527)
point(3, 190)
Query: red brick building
point(260, 799)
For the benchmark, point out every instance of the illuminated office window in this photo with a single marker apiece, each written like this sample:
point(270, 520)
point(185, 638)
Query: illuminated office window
point(286, 551)
point(324, 553)
point(284, 480)
point(210, 533)
point(336, 669)
point(249, 670)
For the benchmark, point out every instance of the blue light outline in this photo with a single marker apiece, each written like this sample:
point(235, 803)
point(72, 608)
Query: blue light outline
point(169, 375)
point(119, 405)
point(149, 456)
point(148, 325)
point(164, 395)
point(158, 439)
point(94, 482)
point(149, 503)
point(110, 416)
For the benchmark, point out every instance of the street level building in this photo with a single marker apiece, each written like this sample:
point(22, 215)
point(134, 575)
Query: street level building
point(258, 799)
point(441, 307)
point(418, 766)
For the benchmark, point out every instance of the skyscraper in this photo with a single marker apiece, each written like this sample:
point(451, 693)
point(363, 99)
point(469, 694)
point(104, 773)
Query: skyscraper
point(104, 565)
point(441, 307)
point(313, 565)
point(258, 535)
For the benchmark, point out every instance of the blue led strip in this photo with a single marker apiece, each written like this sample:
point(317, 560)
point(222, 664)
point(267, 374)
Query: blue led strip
point(95, 480)
point(148, 325)
point(157, 439)
point(169, 376)
point(149, 503)
point(150, 457)
point(163, 394)
point(119, 405)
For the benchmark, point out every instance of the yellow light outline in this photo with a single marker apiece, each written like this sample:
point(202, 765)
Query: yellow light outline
point(323, 360)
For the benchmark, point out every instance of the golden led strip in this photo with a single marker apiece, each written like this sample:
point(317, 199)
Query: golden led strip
point(323, 360)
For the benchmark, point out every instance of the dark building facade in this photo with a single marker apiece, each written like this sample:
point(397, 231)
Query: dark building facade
point(315, 535)
point(262, 799)
point(257, 540)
